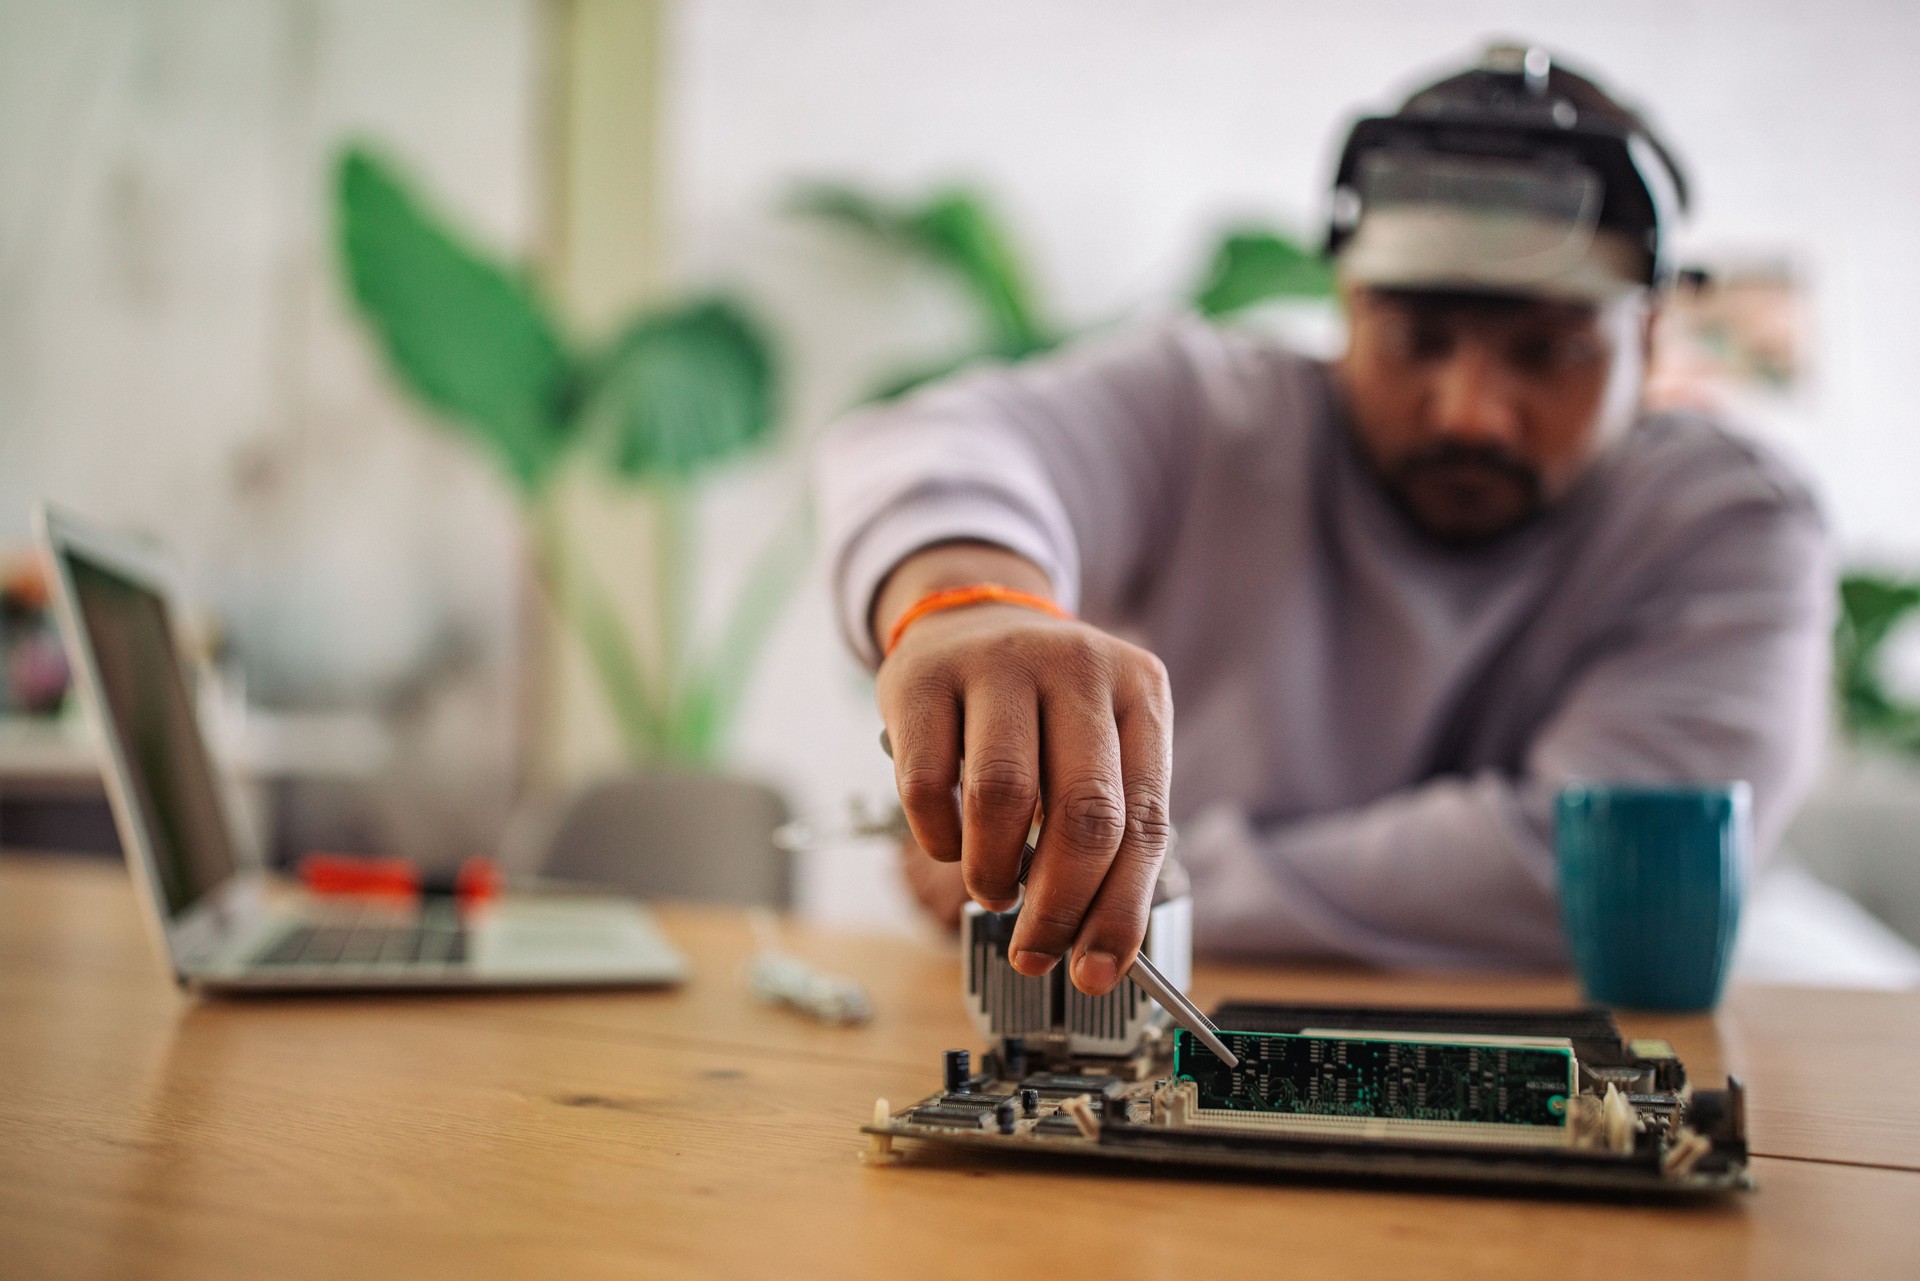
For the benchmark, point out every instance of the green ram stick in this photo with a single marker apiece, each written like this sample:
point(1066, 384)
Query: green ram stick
point(1496, 1080)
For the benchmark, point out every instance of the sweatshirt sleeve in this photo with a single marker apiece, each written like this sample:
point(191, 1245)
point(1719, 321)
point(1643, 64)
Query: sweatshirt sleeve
point(1718, 673)
point(1074, 461)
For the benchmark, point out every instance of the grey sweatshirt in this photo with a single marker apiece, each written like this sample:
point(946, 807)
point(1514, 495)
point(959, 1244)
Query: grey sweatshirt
point(1369, 728)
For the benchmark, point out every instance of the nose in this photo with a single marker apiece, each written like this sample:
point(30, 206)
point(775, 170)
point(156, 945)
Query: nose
point(1472, 402)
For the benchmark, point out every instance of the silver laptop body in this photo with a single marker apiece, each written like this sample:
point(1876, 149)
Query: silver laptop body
point(221, 921)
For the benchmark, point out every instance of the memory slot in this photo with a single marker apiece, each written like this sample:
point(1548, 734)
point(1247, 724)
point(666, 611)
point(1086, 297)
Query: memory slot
point(1352, 1078)
point(1376, 1128)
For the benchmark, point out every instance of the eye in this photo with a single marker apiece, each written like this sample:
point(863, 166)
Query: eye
point(1534, 355)
point(1424, 339)
point(1552, 353)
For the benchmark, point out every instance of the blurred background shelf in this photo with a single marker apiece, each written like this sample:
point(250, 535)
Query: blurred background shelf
point(52, 798)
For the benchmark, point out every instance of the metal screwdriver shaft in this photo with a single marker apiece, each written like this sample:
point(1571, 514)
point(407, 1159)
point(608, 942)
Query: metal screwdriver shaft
point(1184, 1012)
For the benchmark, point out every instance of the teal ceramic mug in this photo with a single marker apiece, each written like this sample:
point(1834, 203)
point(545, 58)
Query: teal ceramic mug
point(1651, 878)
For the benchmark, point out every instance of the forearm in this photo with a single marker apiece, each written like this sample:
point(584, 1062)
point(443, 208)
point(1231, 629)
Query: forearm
point(1074, 464)
point(1455, 873)
point(957, 564)
point(1720, 674)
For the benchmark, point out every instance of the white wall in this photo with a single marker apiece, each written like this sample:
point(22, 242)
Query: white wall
point(1118, 134)
point(175, 356)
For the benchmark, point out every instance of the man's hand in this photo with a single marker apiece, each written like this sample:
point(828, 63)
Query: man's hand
point(997, 712)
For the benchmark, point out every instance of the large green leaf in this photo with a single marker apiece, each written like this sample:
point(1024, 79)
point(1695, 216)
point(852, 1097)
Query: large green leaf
point(680, 390)
point(465, 333)
point(956, 232)
point(1871, 607)
point(854, 210)
point(958, 228)
point(1252, 266)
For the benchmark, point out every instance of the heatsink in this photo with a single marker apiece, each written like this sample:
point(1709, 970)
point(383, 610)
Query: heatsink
point(1049, 1009)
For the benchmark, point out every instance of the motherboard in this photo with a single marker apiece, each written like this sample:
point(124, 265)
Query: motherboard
point(1520, 1098)
point(1532, 1099)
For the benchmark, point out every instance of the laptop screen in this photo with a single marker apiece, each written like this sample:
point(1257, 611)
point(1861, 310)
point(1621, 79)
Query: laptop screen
point(170, 776)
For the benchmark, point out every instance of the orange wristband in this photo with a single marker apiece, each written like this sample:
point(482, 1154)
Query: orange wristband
point(955, 597)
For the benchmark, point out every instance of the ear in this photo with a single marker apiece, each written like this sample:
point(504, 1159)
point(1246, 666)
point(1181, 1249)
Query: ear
point(1351, 296)
point(1349, 293)
point(1647, 327)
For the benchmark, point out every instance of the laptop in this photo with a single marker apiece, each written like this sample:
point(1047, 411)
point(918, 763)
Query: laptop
point(225, 925)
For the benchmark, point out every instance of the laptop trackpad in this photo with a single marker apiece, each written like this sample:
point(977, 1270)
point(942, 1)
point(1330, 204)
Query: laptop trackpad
point(568, 937)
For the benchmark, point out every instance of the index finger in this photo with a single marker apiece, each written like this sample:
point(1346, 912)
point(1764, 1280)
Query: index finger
point(922, 735)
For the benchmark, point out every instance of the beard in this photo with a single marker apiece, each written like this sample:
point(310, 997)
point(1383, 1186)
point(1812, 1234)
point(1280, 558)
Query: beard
point(1465, 495)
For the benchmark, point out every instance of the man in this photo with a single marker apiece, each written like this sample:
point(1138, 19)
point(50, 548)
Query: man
point(1398, 600)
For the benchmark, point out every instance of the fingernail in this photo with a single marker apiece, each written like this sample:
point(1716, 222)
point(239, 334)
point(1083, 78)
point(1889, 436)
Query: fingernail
point(992, 904)
point(1095, 972)
point(1033, 964)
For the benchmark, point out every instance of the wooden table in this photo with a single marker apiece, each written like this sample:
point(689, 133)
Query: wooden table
point(695, 1133)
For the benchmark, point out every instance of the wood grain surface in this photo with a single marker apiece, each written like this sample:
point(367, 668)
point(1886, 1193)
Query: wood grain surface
point(697, 1133)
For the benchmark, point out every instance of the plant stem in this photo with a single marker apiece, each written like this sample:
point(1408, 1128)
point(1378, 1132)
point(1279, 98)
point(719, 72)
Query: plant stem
point(577, 597)
point(673, 551)
point(715, 687)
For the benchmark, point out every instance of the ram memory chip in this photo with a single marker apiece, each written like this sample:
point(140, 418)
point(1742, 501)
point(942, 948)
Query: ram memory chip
point(1490, 1080)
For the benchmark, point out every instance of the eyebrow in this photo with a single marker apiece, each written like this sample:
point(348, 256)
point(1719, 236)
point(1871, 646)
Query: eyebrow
point(1439, 304)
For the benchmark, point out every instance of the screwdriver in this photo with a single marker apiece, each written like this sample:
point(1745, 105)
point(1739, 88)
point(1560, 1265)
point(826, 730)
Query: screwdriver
point(1143, 972)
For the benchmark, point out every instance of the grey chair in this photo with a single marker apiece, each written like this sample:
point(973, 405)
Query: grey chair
point(669, 834)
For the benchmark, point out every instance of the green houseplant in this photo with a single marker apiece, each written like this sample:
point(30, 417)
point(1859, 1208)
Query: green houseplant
point(1872, 607)
point(956, 232)
point(674, 392)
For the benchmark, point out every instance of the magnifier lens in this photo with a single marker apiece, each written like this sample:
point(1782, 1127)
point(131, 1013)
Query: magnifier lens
point(1509, 221)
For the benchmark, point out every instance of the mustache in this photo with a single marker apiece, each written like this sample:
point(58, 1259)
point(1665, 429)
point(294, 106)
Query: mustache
point(1453, 456)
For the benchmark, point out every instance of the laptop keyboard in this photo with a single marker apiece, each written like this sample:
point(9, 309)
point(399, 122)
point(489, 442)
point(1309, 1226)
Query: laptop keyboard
point(434, 937)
